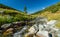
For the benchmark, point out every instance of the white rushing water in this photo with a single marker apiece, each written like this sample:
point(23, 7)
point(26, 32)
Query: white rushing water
point(44, 28)
point(20, 34)
point(41, 28)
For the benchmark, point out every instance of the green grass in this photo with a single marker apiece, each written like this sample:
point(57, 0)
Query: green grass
point(9, 16)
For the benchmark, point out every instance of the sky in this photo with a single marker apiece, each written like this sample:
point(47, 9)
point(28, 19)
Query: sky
point(32, 5)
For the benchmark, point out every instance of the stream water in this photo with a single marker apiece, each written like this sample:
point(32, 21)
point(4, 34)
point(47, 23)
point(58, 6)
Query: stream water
point(21, 33)
point(41, 28)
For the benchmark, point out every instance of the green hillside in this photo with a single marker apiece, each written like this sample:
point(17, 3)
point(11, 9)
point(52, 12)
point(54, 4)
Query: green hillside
point(9, 15)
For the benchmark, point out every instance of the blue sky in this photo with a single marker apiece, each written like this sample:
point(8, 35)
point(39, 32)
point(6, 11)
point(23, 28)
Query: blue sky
point(32, 5)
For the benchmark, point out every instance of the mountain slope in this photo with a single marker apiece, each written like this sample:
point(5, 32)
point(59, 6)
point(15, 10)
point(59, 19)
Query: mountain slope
point(7, 7)
point(9, 15)
point(53, 8)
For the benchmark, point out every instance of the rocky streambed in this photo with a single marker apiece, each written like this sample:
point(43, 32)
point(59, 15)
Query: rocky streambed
point(40, 27)
point(11, 28)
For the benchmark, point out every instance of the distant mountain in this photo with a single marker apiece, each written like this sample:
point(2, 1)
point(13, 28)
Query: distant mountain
point(7, 7)
point(54, 8)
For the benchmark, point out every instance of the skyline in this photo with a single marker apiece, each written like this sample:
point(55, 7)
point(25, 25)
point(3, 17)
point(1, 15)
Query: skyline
point(32, 5)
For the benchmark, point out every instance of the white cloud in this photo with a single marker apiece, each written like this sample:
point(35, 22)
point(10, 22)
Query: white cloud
point(43, 8)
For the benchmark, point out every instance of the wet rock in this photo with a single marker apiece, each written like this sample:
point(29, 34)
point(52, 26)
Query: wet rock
point(8, 31)
point(6, 25)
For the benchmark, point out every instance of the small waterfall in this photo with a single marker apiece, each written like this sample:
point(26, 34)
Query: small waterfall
point(21, 33)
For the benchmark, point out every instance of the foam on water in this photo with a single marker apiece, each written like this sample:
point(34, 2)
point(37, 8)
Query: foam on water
point(20, 33)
